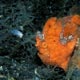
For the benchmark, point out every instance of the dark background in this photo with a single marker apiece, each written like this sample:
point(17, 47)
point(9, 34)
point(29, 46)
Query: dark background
point(18, 56)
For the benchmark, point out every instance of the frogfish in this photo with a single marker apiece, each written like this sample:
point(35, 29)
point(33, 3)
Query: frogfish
point(57, 40)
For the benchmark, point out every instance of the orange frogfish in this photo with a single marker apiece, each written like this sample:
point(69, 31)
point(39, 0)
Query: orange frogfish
point(58, 40)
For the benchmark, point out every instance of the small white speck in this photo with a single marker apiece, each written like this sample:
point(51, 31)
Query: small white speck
point(41, 36)
point(70, 37)
point(21, 28)
point(1, 68)
point(1, 16)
